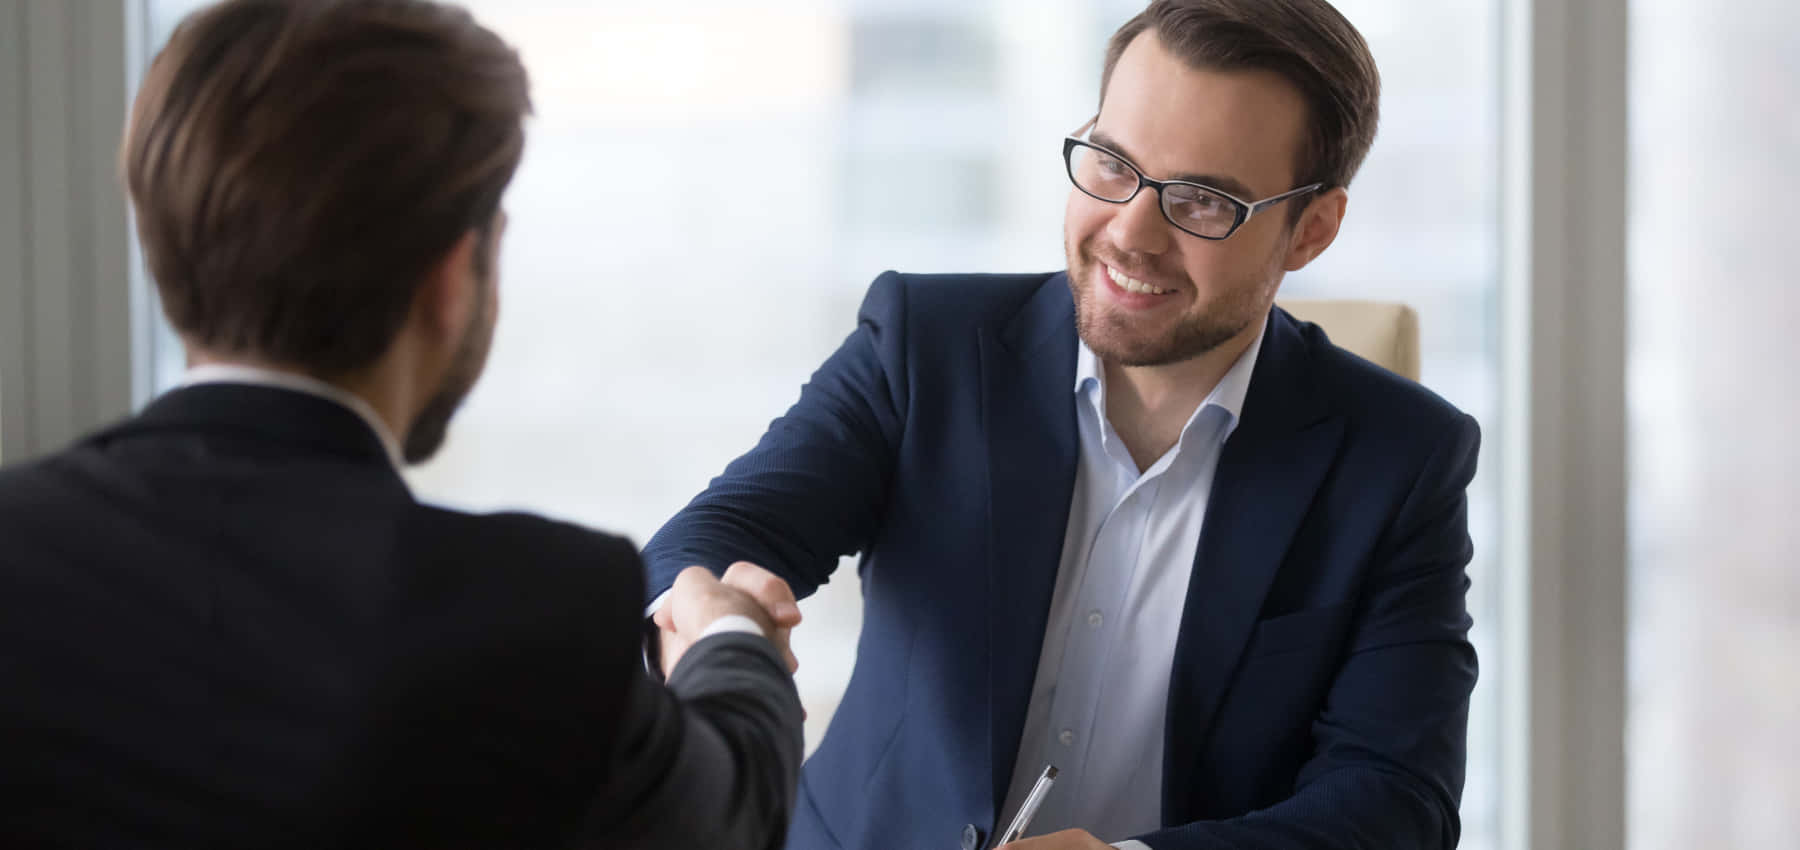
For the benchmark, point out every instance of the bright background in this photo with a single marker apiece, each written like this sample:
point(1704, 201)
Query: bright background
point(1713, 746)
point(708, 189)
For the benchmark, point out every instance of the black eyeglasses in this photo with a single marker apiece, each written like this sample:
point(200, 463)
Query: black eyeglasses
point(1192, 207)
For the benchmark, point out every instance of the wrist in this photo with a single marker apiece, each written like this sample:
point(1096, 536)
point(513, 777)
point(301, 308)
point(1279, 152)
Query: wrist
point(733, 623)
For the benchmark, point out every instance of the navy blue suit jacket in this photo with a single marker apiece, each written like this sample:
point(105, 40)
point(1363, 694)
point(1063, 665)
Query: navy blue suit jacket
point(1320, 689)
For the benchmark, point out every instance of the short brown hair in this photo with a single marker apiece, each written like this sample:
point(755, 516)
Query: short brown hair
point(1306, 41)
point(298, 165)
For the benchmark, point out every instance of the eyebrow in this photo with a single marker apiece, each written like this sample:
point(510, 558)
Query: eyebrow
point(1217, 181)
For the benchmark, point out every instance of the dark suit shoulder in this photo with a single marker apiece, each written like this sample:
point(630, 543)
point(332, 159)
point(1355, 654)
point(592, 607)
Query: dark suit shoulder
point(60, 473)
point(65, 495)
point(945, 303)
point(1373, 395)
point(530, 547)
point(539, 534)
point(36, 502)
point(24, 483)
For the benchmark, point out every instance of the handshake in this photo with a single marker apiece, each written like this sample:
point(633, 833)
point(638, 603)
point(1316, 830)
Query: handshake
point(699, 599)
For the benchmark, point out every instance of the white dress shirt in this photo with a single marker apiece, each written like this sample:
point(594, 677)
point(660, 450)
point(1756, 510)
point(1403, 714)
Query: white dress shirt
point(1098, 702)
point(733, 623)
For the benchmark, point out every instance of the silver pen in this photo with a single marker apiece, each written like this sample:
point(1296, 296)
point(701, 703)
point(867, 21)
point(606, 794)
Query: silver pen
point(1029, 808)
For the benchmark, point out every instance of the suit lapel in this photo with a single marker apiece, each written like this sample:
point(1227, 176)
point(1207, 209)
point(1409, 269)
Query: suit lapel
point(1028, 413)
point(1268, 473)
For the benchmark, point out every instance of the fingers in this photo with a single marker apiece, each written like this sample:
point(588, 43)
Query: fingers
point(673, 647)
point(781, 639)
point(695, 600)
point(692, 580)
point(766, 588)
point(770, 591)
point(685, 612)
point(1068, 839)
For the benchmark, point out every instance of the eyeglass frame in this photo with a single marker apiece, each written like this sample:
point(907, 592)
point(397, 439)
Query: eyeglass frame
point(1245, 209)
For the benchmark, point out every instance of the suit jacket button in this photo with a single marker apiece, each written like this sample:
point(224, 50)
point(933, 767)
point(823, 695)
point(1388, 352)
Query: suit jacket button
point(971, 837)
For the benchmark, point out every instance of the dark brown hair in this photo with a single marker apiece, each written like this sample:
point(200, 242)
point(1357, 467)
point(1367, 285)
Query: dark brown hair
point(297, 166)
point(1305, 41)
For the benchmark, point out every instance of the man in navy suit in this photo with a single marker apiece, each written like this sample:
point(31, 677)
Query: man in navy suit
point(1130, 519)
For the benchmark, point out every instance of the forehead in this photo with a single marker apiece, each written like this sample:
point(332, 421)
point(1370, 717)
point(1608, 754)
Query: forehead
point(1173, 119)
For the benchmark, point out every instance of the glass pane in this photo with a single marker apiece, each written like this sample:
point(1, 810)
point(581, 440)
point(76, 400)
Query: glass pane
point(1714, 736)
point(651, 326)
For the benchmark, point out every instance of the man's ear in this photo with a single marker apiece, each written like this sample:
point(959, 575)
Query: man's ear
point(446, 298)
point(1317, 228)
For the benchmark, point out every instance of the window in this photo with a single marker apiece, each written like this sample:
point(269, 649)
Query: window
point(1714, 593)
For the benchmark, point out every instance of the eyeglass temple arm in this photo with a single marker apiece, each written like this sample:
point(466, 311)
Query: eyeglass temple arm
point(1267, 202)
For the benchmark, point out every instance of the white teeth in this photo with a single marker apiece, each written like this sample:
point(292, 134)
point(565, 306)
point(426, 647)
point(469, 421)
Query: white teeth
point(1132, 284)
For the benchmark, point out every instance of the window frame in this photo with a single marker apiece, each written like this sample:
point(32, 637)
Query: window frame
point(69, 298)
point(1563, 360)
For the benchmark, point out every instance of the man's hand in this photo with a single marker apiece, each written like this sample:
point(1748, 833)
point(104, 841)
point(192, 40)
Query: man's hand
point(776, 598)
point(779, 610)
point(1068, 839)
point(696, 600)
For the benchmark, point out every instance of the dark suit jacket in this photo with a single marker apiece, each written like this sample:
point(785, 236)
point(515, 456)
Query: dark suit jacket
point(1320, 688)
point(227, 623)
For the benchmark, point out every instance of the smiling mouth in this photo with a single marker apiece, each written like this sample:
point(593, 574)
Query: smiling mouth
point(1132, 284)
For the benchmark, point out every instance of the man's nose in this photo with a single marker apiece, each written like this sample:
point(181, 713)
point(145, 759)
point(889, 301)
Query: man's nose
point(1138, 225)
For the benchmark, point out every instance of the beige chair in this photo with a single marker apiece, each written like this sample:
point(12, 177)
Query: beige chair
point(1383, 332)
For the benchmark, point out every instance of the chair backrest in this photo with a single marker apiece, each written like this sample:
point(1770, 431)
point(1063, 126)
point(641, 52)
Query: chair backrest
point(1385, 333)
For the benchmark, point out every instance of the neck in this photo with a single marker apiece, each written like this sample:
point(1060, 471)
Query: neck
point(379, 386)
point(1149, 405)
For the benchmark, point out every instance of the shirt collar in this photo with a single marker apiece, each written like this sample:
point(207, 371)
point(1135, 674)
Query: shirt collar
point(237, 373)
point(1228, 395)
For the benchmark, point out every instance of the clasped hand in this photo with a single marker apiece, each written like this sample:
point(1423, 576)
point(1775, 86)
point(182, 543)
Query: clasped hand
point(698, 599)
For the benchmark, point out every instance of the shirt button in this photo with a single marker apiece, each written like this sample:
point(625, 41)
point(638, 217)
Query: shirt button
point(1094, 618)
point(1067, 737)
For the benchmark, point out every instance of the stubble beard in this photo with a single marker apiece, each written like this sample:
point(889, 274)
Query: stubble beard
point(1115, 339)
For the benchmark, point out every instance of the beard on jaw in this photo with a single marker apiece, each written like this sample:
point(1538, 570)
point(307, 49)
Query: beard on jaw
point(1115, 339)
point(432, 424)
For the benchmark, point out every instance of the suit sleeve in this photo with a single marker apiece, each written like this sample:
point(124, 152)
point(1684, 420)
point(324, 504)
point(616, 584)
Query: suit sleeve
point(814, 488)
point(1390, 742)
point(510, 707)
point(712, 760)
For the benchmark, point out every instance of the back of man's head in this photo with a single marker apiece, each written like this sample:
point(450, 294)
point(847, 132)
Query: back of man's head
point(298, 166)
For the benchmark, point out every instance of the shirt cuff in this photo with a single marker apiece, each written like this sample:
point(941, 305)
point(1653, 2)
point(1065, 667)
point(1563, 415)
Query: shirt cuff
point(1133, 844)
point(727, 623)
point(653, 637)
point(736, 623)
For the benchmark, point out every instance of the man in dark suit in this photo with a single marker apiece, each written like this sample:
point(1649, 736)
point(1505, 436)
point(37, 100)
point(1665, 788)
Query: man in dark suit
point(227, 622)
point(1130, 519)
